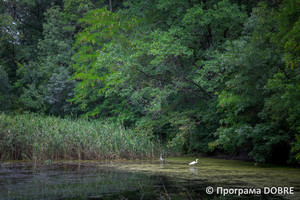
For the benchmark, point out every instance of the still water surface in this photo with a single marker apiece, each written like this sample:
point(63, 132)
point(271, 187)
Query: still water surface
point(148, 179)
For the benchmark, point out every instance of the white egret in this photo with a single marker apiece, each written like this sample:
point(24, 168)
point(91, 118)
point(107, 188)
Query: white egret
point(162, 160)
point(194, 162)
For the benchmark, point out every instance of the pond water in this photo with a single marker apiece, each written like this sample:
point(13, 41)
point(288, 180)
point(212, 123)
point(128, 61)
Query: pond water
point(147, 179)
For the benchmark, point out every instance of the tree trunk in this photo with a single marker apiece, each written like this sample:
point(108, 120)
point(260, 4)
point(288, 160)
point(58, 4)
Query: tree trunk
point(110, 6)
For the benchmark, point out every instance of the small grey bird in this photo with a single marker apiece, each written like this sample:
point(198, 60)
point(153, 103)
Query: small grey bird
point(161, 158)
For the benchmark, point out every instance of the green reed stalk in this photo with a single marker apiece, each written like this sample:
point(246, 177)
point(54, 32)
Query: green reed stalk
point(34, 137)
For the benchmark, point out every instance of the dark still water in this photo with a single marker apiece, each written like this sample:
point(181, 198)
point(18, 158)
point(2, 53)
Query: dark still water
point(141, 180)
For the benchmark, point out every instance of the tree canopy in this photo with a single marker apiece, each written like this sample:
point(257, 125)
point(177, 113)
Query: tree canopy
point(214, 77)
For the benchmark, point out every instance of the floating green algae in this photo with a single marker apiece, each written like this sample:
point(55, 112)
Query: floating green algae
point(221, 173)
point(142, 179)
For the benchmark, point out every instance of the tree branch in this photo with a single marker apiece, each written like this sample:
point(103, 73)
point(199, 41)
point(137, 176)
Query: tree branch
point(187, 79)
point(174, 84)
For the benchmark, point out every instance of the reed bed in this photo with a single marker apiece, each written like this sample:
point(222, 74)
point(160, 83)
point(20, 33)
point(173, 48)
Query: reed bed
point(33, 137)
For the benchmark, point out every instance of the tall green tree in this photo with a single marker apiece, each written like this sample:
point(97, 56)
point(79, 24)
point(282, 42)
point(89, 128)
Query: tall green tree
point(153, 70)
point(260, 101)
point(37, 77)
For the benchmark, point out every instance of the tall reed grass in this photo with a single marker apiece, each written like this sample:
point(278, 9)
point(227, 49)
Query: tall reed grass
point(32, 137)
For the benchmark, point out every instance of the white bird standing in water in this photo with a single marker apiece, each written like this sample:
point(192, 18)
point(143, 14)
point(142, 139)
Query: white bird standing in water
point(162, 160)
point(194, 162)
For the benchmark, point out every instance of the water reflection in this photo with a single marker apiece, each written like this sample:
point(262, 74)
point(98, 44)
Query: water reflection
point(93, 180)
point(194, 170)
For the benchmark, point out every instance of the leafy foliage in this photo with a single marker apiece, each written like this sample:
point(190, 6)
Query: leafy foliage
point(215, 77)
point(261, 97)
point(5, 87)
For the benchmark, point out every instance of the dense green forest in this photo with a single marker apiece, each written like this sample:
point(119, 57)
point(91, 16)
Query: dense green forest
point(193, 76)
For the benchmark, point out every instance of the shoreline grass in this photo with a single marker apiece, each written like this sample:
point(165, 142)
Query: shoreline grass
point(34, 137)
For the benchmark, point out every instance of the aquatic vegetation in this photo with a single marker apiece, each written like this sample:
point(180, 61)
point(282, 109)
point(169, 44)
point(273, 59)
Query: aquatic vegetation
point(32, 137)
point(219, 173)
point(141, 179)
